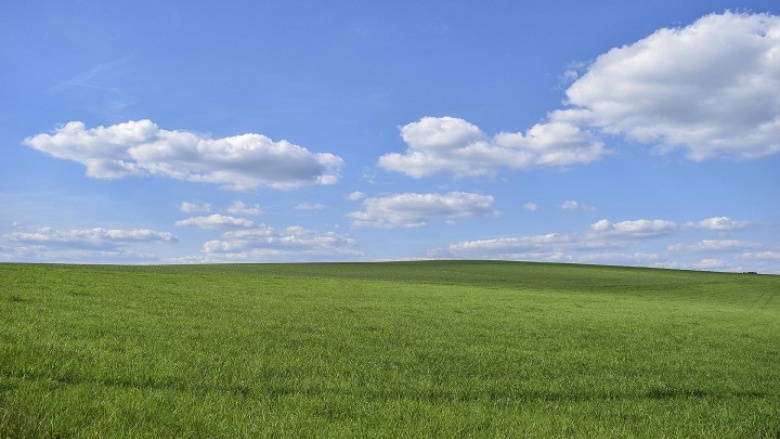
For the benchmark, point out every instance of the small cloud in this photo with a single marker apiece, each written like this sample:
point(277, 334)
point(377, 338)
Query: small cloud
point(310, 206)
point(573, 205)
point(572, 73)
point(188, 207)
point(216, 221)
point(415, 210)
point(95, 237)
point(356, 196)
point(768, 255)
point(641, 228)
point(531, 207)
point(709, 245)
point(711, 264)
point(720, 223)
point(239, 208)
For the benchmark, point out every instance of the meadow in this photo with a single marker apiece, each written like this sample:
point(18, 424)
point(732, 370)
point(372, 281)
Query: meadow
point(396, 349)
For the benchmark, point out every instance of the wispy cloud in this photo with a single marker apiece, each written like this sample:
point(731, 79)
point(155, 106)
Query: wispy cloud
point(84, 79)
point(81, 245)
point(712, 245)
point(767, 255)
point(574, 205)
point(310, 206)
point(216, 221)
point(720, 223)
point(415, 210)
point(264, 242)
point(604, 242)
point(240, 208)
point(188, 207)
point(96, 237)
point(356, 196)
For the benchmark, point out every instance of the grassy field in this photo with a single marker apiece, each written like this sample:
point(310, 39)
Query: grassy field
point(407, 349)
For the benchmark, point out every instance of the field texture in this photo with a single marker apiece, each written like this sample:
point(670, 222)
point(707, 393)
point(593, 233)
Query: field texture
point(408, 349)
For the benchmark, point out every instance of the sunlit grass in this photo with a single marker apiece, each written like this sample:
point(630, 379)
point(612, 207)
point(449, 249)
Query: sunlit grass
point(438, 349)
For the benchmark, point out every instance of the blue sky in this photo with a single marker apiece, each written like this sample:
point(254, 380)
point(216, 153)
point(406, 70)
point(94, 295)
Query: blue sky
point(603, 132)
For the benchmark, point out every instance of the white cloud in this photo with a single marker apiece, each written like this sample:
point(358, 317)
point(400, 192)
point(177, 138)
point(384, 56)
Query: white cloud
point(140, 148)
point(711, 88)
point(47, 254)
point(239, 208)
point(310, 206)
point(768, 255)
point(720, 223)
point(356, 196)
point(414, 210)
point(216, 221)
point(96, 237)
point(572, 247)
point(81, 245)
point(437, 145)
point(617, 243)
point(531, 207)
point(641, 228)
point(639, 258)
point(85, 79)
point(574, 205)
point(188, 207)
point(547, 247)
point(709, 245)
point(536, 244)
point(711, 264)
point(265, 242)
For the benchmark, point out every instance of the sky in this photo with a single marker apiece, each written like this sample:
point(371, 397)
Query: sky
point(600, 132)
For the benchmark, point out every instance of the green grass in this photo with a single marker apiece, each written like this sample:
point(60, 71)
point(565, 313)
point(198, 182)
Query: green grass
point(407, 349)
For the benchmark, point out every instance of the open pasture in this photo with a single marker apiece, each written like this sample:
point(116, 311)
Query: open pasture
point(401, 349)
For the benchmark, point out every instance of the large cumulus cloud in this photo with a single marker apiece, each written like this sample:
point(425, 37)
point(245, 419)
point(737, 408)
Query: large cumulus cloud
point(138, 148)
point(437, 145)
point(711, 89)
